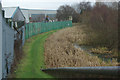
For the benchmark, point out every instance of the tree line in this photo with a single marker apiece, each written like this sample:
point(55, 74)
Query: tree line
point(101, 19)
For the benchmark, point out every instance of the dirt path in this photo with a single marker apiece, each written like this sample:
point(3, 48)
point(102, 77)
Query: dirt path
point(60, 52)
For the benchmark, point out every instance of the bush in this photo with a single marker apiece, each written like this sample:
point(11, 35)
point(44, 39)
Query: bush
point(103, 26)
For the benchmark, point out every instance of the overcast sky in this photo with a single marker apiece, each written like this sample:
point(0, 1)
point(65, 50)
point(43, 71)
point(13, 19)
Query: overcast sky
point(41, 4)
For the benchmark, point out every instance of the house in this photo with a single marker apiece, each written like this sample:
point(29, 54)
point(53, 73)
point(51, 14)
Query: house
point(16, 20)
point(14, 16)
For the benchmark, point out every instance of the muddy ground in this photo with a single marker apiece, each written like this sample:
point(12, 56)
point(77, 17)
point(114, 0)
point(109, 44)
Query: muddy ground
point(60, 52)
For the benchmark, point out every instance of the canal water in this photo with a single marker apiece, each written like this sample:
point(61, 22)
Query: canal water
point(101, 56)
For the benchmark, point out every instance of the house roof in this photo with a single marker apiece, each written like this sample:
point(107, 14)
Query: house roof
point(14, 13)
point(9, 11)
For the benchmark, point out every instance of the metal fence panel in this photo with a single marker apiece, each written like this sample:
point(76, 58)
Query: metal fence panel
point(40, 27)
point(7, 48)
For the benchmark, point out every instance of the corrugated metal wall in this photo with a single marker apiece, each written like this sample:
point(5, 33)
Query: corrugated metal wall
point(0, 42)
point(6, 46)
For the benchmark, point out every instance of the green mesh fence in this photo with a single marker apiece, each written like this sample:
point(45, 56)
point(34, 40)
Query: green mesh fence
point(40, 27)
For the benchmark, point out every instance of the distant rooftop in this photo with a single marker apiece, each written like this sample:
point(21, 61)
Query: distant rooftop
point(38, 9)
point(29, 9)
point(14, 13)
point(11, 10)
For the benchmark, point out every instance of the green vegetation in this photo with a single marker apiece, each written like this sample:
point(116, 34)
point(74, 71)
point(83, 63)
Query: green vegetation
point(33, 59)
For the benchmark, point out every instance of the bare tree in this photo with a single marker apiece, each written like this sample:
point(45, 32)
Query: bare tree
point(112, 5)
point(65, 11)
point(83, 6)
point(104, 20)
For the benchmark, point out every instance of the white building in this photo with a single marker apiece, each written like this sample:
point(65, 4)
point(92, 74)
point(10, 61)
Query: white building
point(37, 14)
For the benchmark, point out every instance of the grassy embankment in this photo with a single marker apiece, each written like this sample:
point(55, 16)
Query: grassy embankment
point(33, 59)
point(60, 50)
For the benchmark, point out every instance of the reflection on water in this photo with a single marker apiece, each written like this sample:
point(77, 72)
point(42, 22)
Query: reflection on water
point(101, 56)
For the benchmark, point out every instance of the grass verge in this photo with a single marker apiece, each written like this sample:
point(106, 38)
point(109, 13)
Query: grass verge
point(33, 59)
